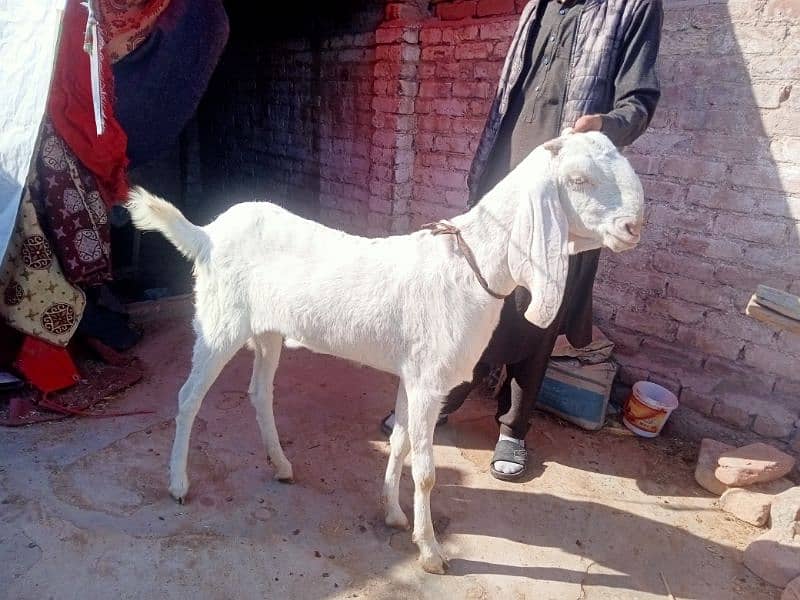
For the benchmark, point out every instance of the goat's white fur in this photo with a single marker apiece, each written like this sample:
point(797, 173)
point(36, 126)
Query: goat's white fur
point(409, 304)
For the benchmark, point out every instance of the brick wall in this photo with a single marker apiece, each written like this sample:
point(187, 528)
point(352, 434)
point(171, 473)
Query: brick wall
point(288, 112)
point(396, 110)
point(721, 171)
point(723, 191)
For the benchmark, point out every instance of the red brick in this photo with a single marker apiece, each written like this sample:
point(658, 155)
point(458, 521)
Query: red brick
point(694, 169)
point(732, 412)
point(454, 70)
point(437, 53)
point(457, 35)
point(630, 375)
point(713, 197)
point(783, 9)
point(653, 282)
point(685, 312)
point(452, 106)
point(488, 8)
point(456, 198)
point(719, 297)
point(751, 228)
point(451, 143)
point(437, 123)
point(472, 89)
point(488, 70)
point(452, 11)
point(430, 35)
point(693, 268)
point(784, 178)
point(443, 178)
point(469, 126)
point(389, 35)
point(498, 30)
point(742, 277)
point(646, 323)
point(694, 219)
point(710, 342)
point(433, 89)
point(473, 50)
point(702, 403)
point(772, 361)
point(779, 205)
point(709, 247)
point(779, 423)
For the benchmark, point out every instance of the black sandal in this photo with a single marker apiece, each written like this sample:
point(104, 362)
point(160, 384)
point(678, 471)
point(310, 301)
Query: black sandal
point(387, 431)
point(512, 452)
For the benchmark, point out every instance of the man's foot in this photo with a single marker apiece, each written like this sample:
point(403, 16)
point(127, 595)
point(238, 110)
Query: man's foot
point(387, 424)
point(510, 458)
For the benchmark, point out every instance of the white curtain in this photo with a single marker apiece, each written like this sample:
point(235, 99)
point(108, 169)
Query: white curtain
point(29, 32)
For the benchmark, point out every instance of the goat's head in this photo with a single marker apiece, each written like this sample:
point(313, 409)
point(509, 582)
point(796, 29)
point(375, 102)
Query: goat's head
point(589, 197)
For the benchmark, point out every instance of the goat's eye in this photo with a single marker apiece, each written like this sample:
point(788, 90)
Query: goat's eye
point(577, 180)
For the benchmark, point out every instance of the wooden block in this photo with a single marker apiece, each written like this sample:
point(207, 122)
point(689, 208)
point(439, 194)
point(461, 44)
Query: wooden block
point(781, 302)
point(770, 317)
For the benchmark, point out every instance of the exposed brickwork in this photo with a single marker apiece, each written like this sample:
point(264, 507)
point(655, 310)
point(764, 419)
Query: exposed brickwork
point(720, 177)
point(289, 115)
point(381, 127)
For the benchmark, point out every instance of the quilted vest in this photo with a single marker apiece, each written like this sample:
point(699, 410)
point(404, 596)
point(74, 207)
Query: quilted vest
point(602, 27)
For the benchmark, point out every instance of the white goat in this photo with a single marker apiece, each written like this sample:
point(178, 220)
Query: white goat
point(410, 305)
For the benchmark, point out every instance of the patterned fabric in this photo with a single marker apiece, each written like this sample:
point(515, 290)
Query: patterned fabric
point(127, 23)
point(36, 298)
point(72, 109)
point(71, 211)
point(601, 32)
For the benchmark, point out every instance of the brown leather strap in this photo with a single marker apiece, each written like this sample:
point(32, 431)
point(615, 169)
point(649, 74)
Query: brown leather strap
point(443, 227)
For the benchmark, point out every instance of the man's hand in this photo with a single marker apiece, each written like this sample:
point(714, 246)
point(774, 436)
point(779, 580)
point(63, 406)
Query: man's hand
point(588, 123)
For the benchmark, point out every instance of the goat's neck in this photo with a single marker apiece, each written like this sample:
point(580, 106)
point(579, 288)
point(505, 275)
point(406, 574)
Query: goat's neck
point(487, 226)
point(487, 230)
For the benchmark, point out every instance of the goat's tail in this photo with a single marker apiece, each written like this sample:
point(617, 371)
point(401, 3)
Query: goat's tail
point(151, 213)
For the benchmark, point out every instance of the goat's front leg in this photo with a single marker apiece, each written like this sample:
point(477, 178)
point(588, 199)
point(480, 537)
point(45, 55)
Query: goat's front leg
point(399, 447)
point(267, 349)
point(207, 363)
point(423, 410)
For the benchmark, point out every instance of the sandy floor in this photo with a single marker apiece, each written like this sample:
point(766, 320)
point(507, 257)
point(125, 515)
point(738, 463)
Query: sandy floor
point(85, 513)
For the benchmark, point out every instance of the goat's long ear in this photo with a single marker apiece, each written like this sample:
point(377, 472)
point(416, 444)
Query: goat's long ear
point(538, 252)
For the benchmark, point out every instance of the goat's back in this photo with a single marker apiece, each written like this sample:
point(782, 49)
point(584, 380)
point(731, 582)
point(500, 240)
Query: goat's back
point(375, 301)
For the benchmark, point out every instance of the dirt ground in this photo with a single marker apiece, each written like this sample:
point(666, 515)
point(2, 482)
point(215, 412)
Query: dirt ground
point(84, 511)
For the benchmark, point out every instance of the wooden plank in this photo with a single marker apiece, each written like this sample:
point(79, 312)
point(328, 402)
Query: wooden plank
point(782, 302)
point(770, 317)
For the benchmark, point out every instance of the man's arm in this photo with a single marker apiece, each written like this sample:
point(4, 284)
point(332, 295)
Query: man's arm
point(637, 90)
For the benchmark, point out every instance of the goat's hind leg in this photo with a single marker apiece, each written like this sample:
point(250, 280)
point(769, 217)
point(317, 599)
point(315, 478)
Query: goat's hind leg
point(267, 349)
point(207, 362)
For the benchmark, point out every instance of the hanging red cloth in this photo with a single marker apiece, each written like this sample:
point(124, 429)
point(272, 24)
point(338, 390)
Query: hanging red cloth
point(71, 109)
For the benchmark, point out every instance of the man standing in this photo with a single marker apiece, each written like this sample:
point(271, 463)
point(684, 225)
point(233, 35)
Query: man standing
point(585, 64)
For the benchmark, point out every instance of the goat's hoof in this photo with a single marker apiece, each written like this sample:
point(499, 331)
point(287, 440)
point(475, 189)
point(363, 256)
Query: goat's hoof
point(178, 491)
point(434, 563)
point(285, 475)
point(397, 520)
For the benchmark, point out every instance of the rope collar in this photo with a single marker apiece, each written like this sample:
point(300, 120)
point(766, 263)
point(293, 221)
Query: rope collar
point(445, 228)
